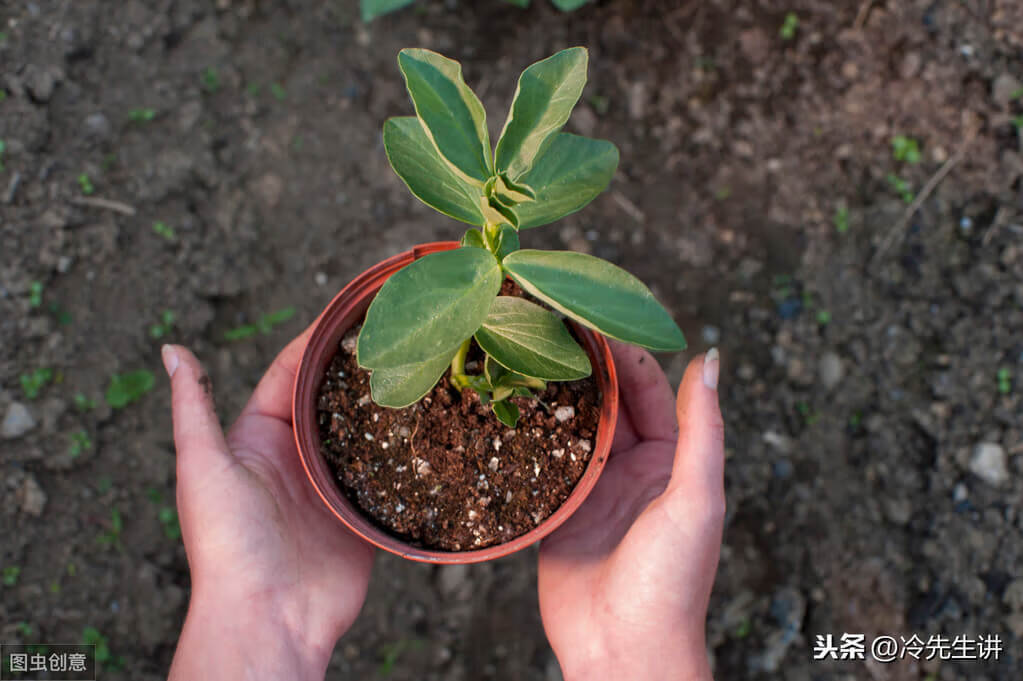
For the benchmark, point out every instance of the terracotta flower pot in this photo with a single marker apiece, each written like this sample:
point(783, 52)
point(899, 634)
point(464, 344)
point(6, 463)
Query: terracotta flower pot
point(348, 308)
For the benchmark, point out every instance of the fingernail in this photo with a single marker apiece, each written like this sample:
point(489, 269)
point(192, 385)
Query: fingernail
point(710, 369)
point(170, 359)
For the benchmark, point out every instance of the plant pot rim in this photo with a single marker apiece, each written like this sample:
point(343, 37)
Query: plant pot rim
point(347, 308)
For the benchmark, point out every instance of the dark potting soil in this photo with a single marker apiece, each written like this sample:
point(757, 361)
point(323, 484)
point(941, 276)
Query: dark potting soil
point(444, 473)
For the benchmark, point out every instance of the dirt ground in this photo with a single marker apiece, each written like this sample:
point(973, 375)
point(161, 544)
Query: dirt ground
point(872, 357)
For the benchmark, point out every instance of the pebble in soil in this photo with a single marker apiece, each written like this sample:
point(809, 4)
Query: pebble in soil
point(444, 473)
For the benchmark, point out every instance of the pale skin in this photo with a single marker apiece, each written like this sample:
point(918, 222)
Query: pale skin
point(276, 580)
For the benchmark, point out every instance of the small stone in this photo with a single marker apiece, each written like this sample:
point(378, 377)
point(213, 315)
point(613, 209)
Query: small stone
point(831, 370)
point(17, 421)
point(363, 401)
point(508, 497)
point(320, 278)
point(497, 444)
point(421, 466)
point(403, 431)
point(41, 81)
point(494, 463)
point(960, 493)
point(585, 445)
point(558, 453)
point(350, 341)
point(268, 189)
point(1003, 88)
point(989, 464)
point(710, 334)
point(777, 441)
point(97, 125)
point(369, 436)
point(31, 497)
point(563, 414)
point(64, 264)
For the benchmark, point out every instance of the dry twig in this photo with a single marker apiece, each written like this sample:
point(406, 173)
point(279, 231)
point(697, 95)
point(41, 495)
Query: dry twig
point(107, 204)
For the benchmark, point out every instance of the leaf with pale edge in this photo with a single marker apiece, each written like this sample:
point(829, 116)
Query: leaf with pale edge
point(403, 385)
point(528, 339)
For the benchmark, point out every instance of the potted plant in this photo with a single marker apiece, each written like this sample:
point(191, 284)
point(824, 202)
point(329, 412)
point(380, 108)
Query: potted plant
point(443, 410)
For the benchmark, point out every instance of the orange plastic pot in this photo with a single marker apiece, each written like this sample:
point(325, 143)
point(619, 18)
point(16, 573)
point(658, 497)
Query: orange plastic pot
point(348, 309)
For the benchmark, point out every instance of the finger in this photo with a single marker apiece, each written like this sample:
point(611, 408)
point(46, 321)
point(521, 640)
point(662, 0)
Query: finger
point(272, 397)
point(645, 393)
point(625, 434)
point(700, 454)
point(197, 434)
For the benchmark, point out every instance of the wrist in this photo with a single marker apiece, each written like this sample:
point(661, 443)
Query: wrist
point(671, 658)
point(227, 635)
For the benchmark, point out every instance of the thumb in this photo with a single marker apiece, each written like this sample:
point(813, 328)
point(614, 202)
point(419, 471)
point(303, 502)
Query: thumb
point(197, 434)
point(698, 472)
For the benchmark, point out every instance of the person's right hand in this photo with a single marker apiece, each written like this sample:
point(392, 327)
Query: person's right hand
point(625, 582)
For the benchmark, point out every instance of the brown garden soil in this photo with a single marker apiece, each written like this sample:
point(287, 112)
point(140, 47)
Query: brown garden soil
point(444, 473)
point(875, 465)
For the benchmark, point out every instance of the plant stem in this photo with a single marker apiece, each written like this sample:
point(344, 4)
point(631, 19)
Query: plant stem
point(490, 234)
point(458, 377)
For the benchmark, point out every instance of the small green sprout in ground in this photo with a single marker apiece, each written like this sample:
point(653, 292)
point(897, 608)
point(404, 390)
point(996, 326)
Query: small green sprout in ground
point(265, 324)
point(823, 317)
point(112, 535)
point(723, 193)
point(109, 161)
point(32, 383)
point(278, 92)
point(164, 326)
point(169, 520)
point(810, 416)
point(26, 629)
point(92, 637)
point(85, 183)
point(1005, 380)
point(3, 96)
point(390, 652)
point(902, 187)
point(253, 89)
point(129, 387)
point(55, 587)
point(142, 115)
point(3, 147)
point(789, 26)
point(35, 294)
point(80, 442)
point(165, 230)
point(743, 628)
point(905, 149)
point(71, 569)
point(3, 38)
point(842, 219)
point(1017, 121)
point(855, 420)
point(10, 575)
point(210, 79)
point(104, 484)
point(600, 104)
point(1017, 94)
point(62, 316)
point(83, 402)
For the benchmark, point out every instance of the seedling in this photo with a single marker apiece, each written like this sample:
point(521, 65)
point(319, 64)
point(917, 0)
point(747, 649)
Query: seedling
point(789, 26)
point(32, 383)
point(169, 520)
point(129, 387)
point(905, 149)
point(35, 294)
point(264, 324)
point(165, 230)
point(278, 92)
point(142, 115)
point(210, 79)
point(842, 219)
point(10, 575)
point(823, 317)
point(902, 187)
point(112, 535)
point(1017, 121)
point(810, 416)
point(25, 629)
point(91, 636)
point(85, 183)
point(83, 402)
point(1004, 380)
point(371, 9)
point(426, 315)
point(164, 326)
point(391, 652)
point(3, 145)
point(80, 442)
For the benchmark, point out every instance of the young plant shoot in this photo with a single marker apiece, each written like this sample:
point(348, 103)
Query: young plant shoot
point(425, 316)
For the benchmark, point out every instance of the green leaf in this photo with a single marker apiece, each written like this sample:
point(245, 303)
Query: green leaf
point(544, 99)
point(428, 176)
point(451, 113)
point(519, 3)
point(473, 238)
point(371, 9)
point(528, 339)
point(506, 412)
point(569, 5)
point(428, 308)
point(597, 294)
point(404, 385)
point(129, 387)
point(507, 241)
point(572, 172)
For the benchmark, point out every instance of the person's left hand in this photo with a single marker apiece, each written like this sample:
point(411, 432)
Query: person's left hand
point(262, 547)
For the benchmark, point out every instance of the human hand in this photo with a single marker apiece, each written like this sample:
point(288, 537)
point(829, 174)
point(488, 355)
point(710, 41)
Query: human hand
point(625, 582)
point(276, 579)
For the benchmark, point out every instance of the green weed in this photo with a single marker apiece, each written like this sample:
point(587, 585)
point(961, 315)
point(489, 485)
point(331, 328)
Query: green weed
point(169, 520)
point(142, 115)
point(789, 26)
point(164, 326)
point(85, 184)
point(842, 219)
point(1004, 380)
point(10, 575)
point(83, 403)
point(129, 387)
point(901, 187)
point(112, 535)
point(80, 442)
point(265, 325)
point(33, 383)
point(3, 145)
point(905, 149)
point(165, 230)
point(278, 92)
point(35, 294)
point(210, 79)
point(92, 636)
